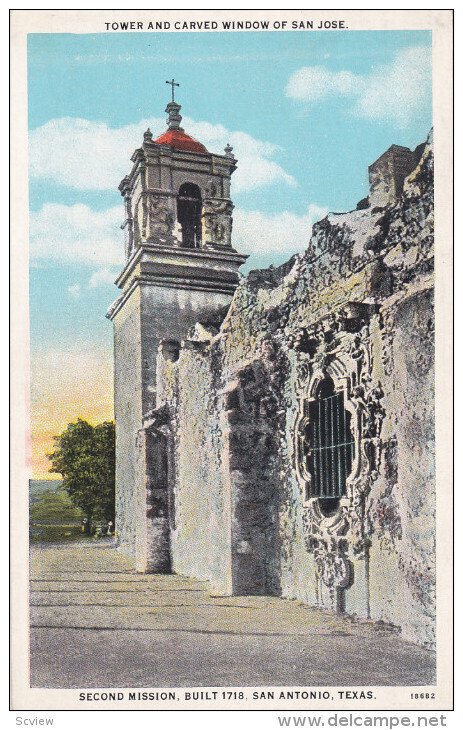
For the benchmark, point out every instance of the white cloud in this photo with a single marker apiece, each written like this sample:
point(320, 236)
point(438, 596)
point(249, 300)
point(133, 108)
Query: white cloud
point(102, 277)
point(82, 154)
point(74, 291)
point(92, 156)
point(311, 83)
point(256, 232)
point(77, 234)
point(257, 171)
point(398, 91)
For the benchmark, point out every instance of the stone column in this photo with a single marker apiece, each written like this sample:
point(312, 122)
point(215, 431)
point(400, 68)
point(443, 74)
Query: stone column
point(140, 491)
point(152, 545)
point(357, 599)
point(250, 448)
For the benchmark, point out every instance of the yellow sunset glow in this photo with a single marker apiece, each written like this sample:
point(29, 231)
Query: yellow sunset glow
point(66, 385)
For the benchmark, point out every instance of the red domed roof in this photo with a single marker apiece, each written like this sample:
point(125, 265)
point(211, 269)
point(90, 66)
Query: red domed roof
point(177, 139)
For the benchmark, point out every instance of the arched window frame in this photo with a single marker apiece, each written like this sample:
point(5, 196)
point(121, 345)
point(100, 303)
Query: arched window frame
point(341, 381)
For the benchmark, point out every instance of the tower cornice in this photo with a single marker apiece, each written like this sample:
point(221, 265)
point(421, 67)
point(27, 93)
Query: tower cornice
point(174, 259)
point(195, 270)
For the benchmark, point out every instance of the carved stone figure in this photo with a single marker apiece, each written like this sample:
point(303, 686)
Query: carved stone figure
point(160, 218)
point(217, 221)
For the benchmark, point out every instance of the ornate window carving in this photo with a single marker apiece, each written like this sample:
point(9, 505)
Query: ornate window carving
point(189, 212)
point(338, 445)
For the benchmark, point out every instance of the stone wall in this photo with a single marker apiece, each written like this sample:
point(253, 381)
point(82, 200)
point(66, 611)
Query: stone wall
point(357, 307)
point(402, 506)
point(128, 412)
point(387, 174)
point(148, 316)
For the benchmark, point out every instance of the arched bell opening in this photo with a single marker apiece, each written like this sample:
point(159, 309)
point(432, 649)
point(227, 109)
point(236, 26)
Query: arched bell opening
point(189, 210)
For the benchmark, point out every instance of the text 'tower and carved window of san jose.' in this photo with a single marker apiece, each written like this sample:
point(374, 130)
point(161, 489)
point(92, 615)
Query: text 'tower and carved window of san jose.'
point(327, 446)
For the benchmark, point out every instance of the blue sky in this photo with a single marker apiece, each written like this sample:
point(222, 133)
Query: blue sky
point(306, 113)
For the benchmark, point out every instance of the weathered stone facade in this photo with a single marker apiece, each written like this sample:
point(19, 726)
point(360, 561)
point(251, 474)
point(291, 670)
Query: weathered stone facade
point(224, 487)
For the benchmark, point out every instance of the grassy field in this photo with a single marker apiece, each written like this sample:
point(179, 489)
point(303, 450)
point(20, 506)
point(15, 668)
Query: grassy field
point(52, 515)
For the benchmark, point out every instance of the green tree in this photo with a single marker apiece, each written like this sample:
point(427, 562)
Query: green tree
point(84, 455)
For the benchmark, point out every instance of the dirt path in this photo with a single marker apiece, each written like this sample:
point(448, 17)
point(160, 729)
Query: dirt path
point(96, 623)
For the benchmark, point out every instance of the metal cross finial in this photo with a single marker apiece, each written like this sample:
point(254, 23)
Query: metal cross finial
point(172, 83)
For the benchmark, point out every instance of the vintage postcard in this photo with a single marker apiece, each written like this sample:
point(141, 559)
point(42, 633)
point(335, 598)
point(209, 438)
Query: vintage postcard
point(232, 305)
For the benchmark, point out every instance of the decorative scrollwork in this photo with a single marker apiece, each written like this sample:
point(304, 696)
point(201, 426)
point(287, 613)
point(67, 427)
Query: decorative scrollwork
point(368, 396)
point(339, 348)
point(387, 339)
point(334, 570)
point(303, 371)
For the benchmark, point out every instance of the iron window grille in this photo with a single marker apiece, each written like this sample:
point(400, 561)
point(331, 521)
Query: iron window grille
point(328, 451)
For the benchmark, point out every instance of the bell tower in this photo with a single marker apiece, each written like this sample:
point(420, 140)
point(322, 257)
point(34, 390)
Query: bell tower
point(180, 269)
point(178, 195)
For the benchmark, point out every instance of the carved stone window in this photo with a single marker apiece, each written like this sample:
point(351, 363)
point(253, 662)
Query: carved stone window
point(327, 446)
point(189, 211)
